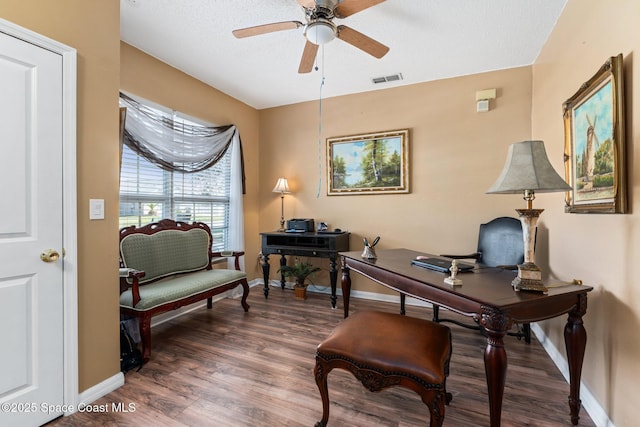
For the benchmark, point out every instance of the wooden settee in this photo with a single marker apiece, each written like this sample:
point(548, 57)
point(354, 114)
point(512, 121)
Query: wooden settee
point(168, 264)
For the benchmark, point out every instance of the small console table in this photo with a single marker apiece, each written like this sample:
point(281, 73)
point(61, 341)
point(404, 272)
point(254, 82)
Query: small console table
point(310, 244)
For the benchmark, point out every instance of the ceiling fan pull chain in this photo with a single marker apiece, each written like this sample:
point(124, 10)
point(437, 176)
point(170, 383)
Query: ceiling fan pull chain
point(320, 130)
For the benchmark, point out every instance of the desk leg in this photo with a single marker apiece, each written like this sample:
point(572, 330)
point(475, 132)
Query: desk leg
point(265, 274)
point(346, 288)
point(495, 360)
point(333, 276)
point(283, 262)
point(575, 340)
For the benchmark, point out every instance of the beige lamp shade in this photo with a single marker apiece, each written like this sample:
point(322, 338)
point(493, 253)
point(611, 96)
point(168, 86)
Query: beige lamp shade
point(528, 168)
point(282, 186)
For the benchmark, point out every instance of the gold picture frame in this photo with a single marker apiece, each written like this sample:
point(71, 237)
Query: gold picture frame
point(370, 163)
point(594, 135)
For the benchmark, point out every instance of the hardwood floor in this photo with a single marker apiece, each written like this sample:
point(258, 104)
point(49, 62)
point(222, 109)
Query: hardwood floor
point(223, 367)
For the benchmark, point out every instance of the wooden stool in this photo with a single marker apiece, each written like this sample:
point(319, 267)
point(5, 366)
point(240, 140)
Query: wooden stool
point(385, 350)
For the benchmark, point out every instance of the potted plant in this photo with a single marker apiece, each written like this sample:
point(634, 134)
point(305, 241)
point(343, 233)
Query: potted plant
point(300, 271)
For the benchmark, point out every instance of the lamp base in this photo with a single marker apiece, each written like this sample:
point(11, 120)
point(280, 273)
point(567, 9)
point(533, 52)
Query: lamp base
point(529, 279)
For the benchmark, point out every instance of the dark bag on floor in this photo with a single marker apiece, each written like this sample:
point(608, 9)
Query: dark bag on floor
point(130, 355)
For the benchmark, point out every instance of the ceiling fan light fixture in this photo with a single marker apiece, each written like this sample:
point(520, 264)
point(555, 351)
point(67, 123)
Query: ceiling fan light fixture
point(320, 31)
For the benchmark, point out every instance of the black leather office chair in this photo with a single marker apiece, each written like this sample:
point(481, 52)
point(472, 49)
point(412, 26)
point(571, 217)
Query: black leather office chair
point(500, 245)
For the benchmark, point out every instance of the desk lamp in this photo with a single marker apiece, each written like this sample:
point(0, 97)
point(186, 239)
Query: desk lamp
point(527, 171)
point(282, 187)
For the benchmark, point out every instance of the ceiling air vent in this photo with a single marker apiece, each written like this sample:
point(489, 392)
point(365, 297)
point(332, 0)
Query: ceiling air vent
point(385, 79)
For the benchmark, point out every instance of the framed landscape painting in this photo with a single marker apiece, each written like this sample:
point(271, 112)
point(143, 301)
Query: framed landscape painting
point(595, 143)
point(368, 164)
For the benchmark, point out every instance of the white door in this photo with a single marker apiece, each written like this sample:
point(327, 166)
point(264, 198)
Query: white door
point(31, 224)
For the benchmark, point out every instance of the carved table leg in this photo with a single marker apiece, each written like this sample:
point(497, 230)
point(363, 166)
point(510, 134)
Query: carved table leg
point(575, 340)
point(265, 274)
point(333, 276)
point(283, 262)
point(496, 325)
point(346, 288)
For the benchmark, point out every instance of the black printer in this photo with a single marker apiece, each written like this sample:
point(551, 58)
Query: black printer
point(301, 224)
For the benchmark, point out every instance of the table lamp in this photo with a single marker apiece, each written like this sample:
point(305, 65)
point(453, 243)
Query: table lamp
point(527, 171)
point(282, 187)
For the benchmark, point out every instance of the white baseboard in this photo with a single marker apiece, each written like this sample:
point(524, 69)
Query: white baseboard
point(99, 390)
point(366, 295)
point(356, 294)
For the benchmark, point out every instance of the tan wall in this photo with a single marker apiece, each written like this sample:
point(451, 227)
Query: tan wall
point(145, 76)
point(602, 250)
point(93, 28)
point(455, 156)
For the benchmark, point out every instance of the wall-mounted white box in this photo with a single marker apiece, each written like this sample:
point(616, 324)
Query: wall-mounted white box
point(482, 106)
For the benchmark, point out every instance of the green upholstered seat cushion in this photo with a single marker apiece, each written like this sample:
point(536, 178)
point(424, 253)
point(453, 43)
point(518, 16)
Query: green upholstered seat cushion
point(179, 287)
point(166, 252)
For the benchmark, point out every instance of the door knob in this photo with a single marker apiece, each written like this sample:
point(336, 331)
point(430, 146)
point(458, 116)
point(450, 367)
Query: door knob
point(50, 255)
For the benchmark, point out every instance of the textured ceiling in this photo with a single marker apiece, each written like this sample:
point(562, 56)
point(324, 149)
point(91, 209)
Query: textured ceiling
point(428, 40)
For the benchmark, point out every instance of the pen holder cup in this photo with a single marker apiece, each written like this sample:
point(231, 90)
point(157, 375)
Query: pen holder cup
point(369, 253)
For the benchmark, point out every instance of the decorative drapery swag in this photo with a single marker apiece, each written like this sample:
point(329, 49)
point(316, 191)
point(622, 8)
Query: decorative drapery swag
point(173, 146)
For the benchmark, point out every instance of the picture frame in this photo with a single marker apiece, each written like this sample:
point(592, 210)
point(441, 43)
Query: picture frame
point(372, 163)
point(594, 132)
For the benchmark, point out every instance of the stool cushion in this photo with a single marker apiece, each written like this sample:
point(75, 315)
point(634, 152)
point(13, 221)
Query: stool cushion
point(392, 343)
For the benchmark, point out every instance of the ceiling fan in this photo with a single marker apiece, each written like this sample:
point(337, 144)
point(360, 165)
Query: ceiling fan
point(320, 28)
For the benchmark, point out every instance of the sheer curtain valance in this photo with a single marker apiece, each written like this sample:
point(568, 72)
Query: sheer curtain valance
point(174, 145)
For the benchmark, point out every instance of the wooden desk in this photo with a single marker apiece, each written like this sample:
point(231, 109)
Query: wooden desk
point(487, 297)
point(320, 245)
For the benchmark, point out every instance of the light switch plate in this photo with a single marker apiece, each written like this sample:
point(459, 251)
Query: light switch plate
point(96, 208)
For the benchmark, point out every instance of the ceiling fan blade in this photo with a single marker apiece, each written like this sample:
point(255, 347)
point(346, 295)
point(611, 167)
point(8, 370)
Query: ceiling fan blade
point(308, 57)
point(266, 28)
point(349, 7)
point(362, 42)
point(307, 4)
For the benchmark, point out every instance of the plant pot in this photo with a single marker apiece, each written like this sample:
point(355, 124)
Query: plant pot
point(300, 292)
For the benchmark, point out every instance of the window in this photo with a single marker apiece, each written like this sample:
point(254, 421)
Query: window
point(149, 193)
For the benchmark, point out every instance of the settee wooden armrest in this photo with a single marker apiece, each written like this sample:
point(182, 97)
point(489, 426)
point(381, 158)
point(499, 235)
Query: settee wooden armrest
point(130, 277)
point(229, 254)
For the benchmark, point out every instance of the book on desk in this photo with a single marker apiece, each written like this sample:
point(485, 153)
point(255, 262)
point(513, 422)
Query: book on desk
point(440, 264)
